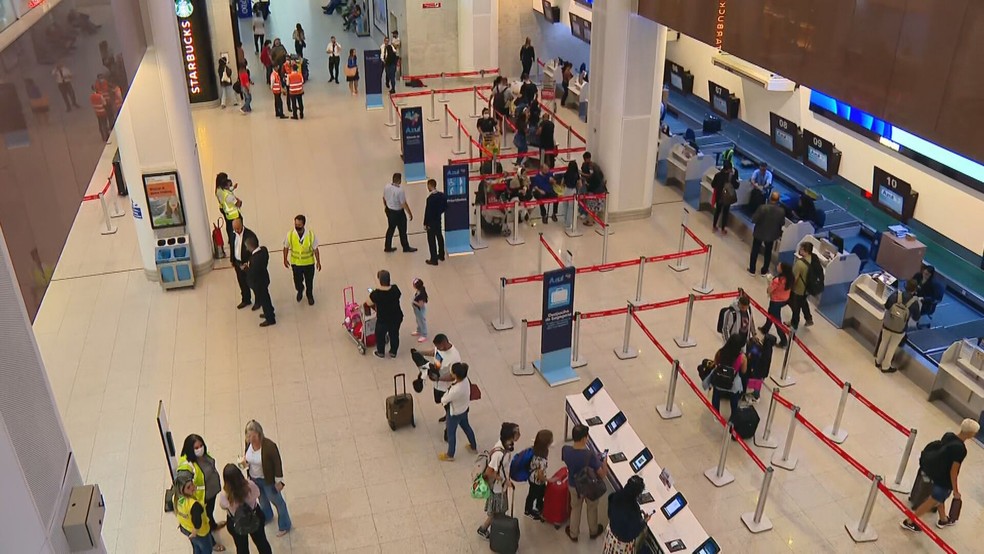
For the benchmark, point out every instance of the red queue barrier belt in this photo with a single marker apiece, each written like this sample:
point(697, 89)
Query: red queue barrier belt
point(501, 177)
point(562, 123)
point(573, 150)
point(694, 236)
point(593, 215)
point(552, 253)
point(498, 113)
point(476, 73)
point(105, 188)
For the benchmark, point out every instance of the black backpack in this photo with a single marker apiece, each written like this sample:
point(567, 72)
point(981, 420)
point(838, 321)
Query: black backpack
point(814, 277)
point(246, 520)
point(721, 314)
point(723, 377)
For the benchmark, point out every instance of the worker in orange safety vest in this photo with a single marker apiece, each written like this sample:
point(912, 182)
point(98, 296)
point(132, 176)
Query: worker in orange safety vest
point(277, 89)
point(102, 116)
point(295, 92)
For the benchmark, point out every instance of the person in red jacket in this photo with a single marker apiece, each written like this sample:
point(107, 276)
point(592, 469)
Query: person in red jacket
point(245, 86)
point(295, 91)
point(266, 60)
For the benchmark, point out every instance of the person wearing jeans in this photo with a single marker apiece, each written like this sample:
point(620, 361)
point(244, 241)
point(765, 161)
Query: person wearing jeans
point(779, 291)
point(538, 475)
point(797, 295)
point(578, 457)
point(731, 354)
point(265, 468)
point(457, 400)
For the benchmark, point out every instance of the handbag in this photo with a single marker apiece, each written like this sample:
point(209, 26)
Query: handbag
point(474, 393)
point(351, 71)
point(480, 488)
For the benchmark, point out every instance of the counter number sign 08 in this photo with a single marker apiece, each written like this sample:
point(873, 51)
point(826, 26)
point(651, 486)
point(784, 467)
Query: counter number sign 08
point(783, 124)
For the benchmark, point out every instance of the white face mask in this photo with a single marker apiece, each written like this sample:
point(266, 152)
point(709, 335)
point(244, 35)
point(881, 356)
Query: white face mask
point(199, 452)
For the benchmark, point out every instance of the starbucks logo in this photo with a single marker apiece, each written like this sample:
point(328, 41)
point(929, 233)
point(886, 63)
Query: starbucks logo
point(183, 8)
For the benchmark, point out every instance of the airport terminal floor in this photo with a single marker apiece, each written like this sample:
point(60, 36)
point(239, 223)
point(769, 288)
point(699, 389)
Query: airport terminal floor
point(115, 345)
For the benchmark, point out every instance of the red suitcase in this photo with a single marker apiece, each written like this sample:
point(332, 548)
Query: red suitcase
point(557, 499)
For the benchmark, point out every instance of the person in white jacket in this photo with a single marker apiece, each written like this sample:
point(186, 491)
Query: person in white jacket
point(457, 400)
point(737, 319)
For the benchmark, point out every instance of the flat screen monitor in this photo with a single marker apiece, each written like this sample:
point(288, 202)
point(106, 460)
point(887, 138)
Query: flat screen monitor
point(617, 421)
point(710, 546)
point(592, 389)
point(674, 505)
point(676, 81)
point(783, 139)
point(837, 241)
point(817, 158)
point(890, 199)
point(720, 105)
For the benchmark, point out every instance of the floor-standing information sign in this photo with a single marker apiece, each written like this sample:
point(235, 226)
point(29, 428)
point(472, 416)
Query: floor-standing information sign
point(373, 79)
point(412, 143)
point(558, 326)
point(457, 231)
point(244, 8)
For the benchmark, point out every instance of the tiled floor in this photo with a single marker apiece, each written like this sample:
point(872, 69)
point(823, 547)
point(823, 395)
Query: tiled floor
point(115, 345)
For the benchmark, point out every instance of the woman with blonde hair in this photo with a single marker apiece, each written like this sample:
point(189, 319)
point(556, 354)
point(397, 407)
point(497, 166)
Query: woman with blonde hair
point(265, 468)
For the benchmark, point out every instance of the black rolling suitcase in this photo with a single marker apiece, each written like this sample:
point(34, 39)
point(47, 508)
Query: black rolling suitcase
point(487, 169)
point(920, 489)
point(504, 532)
point(746, 421)
point(399, 407)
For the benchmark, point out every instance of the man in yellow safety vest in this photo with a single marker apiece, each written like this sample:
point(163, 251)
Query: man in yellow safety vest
point(302, 248)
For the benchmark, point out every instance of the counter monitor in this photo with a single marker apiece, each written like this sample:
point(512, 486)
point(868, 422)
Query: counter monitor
point(641, 460)
point(592, 389)
point(615, 423)
point(708, 547)
point(674, 505)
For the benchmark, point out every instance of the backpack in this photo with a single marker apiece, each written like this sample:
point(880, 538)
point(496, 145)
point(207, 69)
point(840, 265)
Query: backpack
point(929, 458)
point(728, 195)
point(705, 368)
point(519, 468)
point(246, 521)
point(723, 377)
point(237, 87)
point(480, 487)
point(721, 314)
point(897, 317)
point(589, 485)
point(814, 277)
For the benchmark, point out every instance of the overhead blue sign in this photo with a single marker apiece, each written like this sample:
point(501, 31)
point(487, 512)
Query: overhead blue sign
point(244, 8)
point(457, 230)
point(557, 330)
point(412, 143)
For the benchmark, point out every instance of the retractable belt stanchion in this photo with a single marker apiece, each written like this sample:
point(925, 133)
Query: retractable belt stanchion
point(115, 210)
point(719, 475)
point(702, 287)
point(785, 459)
point(642, 271)
point(568, 156)
point(539, 255)
point(477, 238)
point(396, 128)
point(758, 522)
point(504, 144)
point(834, 432)
point(459, 148)
point(392, 116)
point(475, 113)
point(860, 532)
point(576, 359)
point(471, 152)
point(685, 341)
point(784, 379)
point(671, 410)
point(679, 265)
point(604, 251)
point(447, 122)
point(573, 230)
point(110, 227)
point(503, 322)
point(514, 238)
point(604, 218)
point(897, 485)
point(433, 114)
point(767, 440)
point(444, 89)
point(625, 353)
point(520, 368)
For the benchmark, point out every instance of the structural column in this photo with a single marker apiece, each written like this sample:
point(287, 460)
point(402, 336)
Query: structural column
point(478, 34)
point(155, 133)
point(627, 56)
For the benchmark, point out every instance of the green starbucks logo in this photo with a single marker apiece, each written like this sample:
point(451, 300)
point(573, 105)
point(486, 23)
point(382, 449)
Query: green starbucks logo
point(183, 8)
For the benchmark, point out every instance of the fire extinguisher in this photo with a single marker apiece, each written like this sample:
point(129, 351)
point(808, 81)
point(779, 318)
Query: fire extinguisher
point(218, 245)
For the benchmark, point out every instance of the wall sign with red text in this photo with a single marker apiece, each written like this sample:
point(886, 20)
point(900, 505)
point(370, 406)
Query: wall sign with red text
point(196, 50)
point(430, 5)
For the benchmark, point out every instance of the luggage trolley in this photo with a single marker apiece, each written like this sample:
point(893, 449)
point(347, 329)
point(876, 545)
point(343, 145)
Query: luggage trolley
point(360, 321)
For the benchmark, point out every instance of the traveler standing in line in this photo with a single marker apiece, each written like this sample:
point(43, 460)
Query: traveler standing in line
point(594, 183)
point(229, 205)
point(385, 299)
point(722, 204)
point(196, 462)
point(566, 75)
point(265, 468)
point(545, 134)
point(577, 457)
point(278, 56)
point(277, 88)
point(258, 277)
point(445, 356)
point(397, 210)
point(946, 460)
point(265, 58)
point(299, 40)
point(769, 220)
point(729, 355)
point(778, 291)
point(738, 319)
point(295, 92)
point(899, 309)
point(626, 522)
point(520, 139)
point(193, 522)
point(259, 31)
point(352, 72)
point(63, 78)
point(241, 496)
point(389, 64)
point(527, 55)
point(239, 255)
point(538, 475)
point(98, 103)
point(244, 86)
point(334, 51)
point(420, 300)
point(456, 401)
point(497, 475)
point(225, 83)
point(437, 204)
point(543, 188)
point(301, 246)
point(797, 296)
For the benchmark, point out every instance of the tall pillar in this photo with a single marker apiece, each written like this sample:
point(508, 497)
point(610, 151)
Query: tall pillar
point(627, 56)
point(220, 28)
point(156, 133)
point(478, 34)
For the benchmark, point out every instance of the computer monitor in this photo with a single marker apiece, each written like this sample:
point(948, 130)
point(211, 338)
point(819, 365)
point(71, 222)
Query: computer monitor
point(837, 241)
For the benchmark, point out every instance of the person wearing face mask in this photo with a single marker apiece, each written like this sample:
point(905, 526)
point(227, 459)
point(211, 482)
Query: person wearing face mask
point(200, 467)
point(497, 475)
point(301, 256)
point(488, 128)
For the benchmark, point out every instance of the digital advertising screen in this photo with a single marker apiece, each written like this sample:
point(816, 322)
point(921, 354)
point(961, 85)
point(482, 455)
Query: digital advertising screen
point(783, 139)
point(783, 133)
point(720, 104)
point(816, 157)
point(890, 199)
point(676, 81)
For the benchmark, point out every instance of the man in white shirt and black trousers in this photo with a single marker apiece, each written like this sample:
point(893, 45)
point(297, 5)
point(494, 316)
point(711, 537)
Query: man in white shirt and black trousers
point(445, 355)
point(334, 51)
point(397, 211)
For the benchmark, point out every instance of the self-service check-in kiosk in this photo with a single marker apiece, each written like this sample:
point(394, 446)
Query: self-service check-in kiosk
point(667, 142)
point(685, 169)
point(840, 269)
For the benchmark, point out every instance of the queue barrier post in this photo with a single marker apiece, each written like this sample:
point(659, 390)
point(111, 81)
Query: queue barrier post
point(604, 251)
point(625, 353)
point(767, 440)
point(702, 287)
point(860, 532)
point(475, 114)
point(679, 265)
point(114, 206)
point(685, 341)
point(520, 368)
point(433, 115)
point(671, 410)
point(471, 152)
point(573, 231)
point(539, 255)
point(604, 218)
point(576, 359)
point(503, 323)
point(642, 271)
point(514, 238)
point(459, 148)
point(719, 475)
point(396, 129)
point(834, 432)
point(786, 459)
point(505, 144)
point(540, 154)
point(568, 156)
point(392, 115)
point(444, 89)
point(477, 237)
point(110, 227)
point(758, 522)
point(785, 379)
point(897, 485)
point(447, 122)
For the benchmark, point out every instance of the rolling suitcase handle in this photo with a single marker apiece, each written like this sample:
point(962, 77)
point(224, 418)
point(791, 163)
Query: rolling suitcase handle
point(347, 294)
point(402, 376)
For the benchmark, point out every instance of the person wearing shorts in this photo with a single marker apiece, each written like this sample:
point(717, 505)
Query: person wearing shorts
point(497, 475)
point(943, 469)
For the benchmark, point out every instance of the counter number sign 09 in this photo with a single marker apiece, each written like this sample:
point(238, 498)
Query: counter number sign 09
point(818, 142)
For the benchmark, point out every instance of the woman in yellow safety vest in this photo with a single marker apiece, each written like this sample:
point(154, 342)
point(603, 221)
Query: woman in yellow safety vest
point(229, 204)
point(196, 462)
point(193, 522)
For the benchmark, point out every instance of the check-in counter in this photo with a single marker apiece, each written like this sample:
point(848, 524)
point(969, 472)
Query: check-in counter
point(866, 299)
point(686, 167)
point(840, 269)
point(792, 235)
point(666, 145)
point(959, 378)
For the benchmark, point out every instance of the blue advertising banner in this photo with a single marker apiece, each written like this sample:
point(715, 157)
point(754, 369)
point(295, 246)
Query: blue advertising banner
point(244, 9)
point(457, 229)
point(412, 144)
point(558, 327)
point(372, 78)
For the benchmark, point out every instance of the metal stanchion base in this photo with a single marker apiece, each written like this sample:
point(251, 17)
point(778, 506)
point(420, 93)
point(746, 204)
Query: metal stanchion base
point(433, 119)
point(515, 240)
point(839, 438)
point(458, 152)
point(449, 135)
point(573, 234)
point(520, 370)
point(783, 383)
point(689, 343)
point(503, 325)
point(703, 290)
point(867, 535)
point(626, 355)
point(748, 518)
point(679, 268)
point(901, 489)
point(477, 244)
point(396, 138)
point(673, 413)
point(112, 230)
point(771, 442)
point(725, 479)
point(789, 464)
point(601, 231)
point(392, 125)
point(579, 362)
